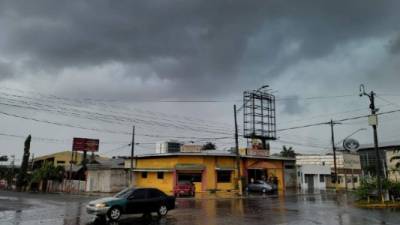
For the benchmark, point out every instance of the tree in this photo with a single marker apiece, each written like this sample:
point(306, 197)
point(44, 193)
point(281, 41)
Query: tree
point(288, 152)
point(22, 180)
point(47, 172)
point(209, 146)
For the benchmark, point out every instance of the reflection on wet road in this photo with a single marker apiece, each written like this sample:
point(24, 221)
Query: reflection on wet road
point(329, 209)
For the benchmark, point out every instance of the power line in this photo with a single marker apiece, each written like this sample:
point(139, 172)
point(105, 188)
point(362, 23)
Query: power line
point(314, 97)
point(104, 130)
point(52, 140)
point(340, 120)
point(103, 105)
point(301, 144)
point(387, 101)
point(109, 118)
point(117, 149)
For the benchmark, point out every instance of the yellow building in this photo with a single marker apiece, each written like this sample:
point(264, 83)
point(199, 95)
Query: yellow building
point(208, 171)
point(58, 159)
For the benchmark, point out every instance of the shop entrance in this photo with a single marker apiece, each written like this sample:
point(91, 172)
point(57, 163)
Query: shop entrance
point(257, 174)
point(195, 177)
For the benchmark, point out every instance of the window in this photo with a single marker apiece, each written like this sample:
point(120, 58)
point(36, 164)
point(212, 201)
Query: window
point(160, 175)
point(355, 179)
point(223, 176)
point(154, 193)
point(321, 178)
point(124, 193)
point(139, 194)
point(194, 177)
point(144, 174)
point(60, 162)
point(289, 167)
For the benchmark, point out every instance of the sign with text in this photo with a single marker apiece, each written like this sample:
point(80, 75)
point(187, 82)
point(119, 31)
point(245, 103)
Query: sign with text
point(85, 145)
point(257, 152)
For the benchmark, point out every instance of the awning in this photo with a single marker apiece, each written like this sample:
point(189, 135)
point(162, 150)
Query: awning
point(224, 168)
point(153, 169)
point(189, 167)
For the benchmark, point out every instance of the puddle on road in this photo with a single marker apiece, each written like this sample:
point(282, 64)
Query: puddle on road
point(8, 198)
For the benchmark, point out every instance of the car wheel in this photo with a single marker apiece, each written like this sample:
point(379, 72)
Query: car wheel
point(162, 211)
point(114, 214)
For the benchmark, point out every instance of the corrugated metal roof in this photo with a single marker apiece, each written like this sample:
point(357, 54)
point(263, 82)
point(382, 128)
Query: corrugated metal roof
point(107, 164)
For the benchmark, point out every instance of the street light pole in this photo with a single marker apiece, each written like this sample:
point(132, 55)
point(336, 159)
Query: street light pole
point(371, 97)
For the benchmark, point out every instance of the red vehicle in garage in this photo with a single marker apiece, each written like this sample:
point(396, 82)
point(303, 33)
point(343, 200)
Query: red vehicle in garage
point(184, 188)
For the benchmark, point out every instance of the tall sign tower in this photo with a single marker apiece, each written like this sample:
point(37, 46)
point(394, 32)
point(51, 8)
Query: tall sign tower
point(259, 116)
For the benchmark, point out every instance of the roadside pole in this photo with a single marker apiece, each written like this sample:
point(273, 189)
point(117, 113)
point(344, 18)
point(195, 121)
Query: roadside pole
point(237, 153)
point(373, 121)
point(334, 153)
point(132, 155)
point(12, 172)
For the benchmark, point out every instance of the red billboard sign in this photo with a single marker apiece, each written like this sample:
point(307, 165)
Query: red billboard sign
point(85, 144)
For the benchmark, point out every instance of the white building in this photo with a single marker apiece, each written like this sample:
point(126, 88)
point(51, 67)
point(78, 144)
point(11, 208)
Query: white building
point(313, 176)
point(348, 167)
point(168, 147)
point(108, 175)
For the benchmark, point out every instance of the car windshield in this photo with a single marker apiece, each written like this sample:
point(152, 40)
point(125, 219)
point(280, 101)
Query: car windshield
point(124, 193)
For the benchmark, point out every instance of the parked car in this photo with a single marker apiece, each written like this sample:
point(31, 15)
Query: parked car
point(3, 184)
point(261, 186)
point(186, 188)
point(132, 201)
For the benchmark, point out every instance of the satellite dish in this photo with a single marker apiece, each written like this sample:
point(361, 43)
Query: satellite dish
point(351, 144)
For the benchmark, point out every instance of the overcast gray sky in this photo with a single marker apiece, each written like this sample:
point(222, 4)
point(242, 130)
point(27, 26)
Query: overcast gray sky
point(132, 55)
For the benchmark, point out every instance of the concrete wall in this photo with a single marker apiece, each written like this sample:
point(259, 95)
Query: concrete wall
point(111, 180)
point(313, 170)
point(348, 165)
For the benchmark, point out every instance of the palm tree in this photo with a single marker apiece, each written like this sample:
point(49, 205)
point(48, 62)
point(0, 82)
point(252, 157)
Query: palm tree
point(288, 152)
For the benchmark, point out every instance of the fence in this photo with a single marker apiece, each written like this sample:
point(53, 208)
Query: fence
point(71, 186)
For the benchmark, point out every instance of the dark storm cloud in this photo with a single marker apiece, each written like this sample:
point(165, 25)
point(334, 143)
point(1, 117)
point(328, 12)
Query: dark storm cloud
point(291, 105)
point(201, 47)
point(6, 70)
point(394, 45)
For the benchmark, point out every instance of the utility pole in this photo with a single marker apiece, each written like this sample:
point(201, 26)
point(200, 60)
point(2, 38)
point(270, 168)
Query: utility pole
point(132, 154)
point(332, 123)
point(237, 152)
point(373, 120)
point(12, 171)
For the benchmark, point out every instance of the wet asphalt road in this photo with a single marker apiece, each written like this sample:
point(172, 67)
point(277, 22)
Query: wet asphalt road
point(332, 209)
